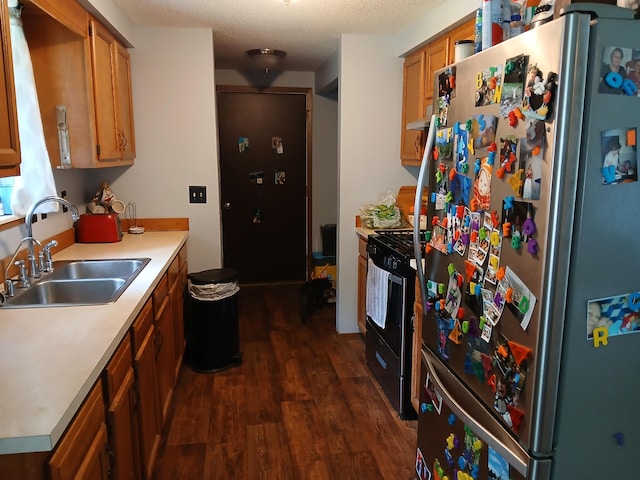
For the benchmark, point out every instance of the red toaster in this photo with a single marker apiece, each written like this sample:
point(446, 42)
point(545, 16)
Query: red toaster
point(98, 228)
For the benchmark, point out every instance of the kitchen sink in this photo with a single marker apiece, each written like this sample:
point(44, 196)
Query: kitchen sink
point(79, 282)
point(86, 269)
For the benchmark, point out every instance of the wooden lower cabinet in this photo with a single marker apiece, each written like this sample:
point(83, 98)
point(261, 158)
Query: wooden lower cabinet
point(177, 307)
point(164, 347)
point(82, 453)
point(177, 283)
point(362, 284)
point(144, 365)
point(115, 435)
point(122, 422)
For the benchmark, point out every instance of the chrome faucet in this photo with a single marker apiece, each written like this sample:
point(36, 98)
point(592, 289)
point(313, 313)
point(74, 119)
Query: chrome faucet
point(75, 214)
point(23, 277)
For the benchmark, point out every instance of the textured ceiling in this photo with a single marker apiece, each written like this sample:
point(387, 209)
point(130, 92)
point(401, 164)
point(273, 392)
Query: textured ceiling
point(308, 30)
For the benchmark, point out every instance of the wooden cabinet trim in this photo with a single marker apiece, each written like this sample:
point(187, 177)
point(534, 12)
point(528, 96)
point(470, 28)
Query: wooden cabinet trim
point(66, 12)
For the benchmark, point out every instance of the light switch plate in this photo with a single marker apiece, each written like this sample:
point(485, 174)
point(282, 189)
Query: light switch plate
point(197, 194)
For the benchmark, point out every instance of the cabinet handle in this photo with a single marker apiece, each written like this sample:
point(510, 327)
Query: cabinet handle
point(159, 342)
point(121, 140)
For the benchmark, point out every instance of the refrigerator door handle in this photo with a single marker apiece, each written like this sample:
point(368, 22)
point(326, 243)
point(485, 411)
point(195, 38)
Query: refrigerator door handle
point(423, 182)
point(502, 441)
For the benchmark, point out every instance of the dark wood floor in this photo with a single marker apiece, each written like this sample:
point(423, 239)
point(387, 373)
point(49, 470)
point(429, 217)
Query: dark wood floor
point(302, 405)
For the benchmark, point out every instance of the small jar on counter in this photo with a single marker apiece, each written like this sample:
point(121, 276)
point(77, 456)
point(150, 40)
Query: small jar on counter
point(463, 49)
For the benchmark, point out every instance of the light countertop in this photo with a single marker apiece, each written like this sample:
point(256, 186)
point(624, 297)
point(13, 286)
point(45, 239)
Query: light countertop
point(51, 357)
point(364, 232)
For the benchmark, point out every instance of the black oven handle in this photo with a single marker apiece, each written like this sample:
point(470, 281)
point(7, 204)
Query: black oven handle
point(423, 183)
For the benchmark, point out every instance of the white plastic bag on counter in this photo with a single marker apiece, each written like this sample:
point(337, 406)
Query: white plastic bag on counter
point(382, 214)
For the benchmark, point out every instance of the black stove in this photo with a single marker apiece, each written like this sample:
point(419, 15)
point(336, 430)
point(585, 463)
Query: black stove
point(393, 250)
point(400, 240)
point(388, 343)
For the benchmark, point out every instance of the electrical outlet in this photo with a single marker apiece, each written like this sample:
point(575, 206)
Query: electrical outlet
point(63, 194)
point(197, 194)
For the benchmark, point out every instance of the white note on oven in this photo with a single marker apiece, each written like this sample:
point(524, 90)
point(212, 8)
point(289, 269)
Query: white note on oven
point(377, 291)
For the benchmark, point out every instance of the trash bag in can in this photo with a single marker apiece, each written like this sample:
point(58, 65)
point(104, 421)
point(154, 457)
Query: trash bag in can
point(211, 320)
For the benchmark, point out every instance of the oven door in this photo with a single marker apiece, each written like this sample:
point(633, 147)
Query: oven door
point(388, 348)
point(392, 333)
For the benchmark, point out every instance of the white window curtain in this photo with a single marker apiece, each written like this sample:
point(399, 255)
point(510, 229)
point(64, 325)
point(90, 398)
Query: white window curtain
point(36, 177)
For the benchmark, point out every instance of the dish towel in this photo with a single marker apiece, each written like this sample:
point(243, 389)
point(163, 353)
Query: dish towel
point(36, 177)
point(377, 292)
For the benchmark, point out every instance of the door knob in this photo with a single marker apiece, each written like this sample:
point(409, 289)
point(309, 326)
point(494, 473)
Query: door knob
point(227, 206)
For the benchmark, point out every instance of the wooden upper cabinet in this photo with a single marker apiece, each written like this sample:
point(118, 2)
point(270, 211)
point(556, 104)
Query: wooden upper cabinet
point(437, 56)
point(66, 12)
point(114, 125)
point(9, 138)
point(124, 105)
point(418, 87)
point(413, 106)
point(466, 31)
point(80, 66)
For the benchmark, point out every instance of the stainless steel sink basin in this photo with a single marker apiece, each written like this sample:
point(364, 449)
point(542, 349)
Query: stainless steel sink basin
point(79, 282)
point(49, 293)
point(85, 269)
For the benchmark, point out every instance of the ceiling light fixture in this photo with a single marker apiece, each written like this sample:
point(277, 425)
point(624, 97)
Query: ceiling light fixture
point(266, 58)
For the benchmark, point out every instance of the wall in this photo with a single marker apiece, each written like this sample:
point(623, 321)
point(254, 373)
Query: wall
point(325, 164)
point(109, 13)
point(172, 72)
point(370, 108)
point(449, 14)
point(327, 74)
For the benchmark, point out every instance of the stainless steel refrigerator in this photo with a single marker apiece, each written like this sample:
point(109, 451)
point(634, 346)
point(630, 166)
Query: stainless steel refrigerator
point(530, 279)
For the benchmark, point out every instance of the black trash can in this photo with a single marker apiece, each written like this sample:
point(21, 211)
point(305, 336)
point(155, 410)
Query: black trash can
point(211, 320)
point(329, 233)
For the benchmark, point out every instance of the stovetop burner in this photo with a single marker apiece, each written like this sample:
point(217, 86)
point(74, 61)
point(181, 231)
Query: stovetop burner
point(400, 240)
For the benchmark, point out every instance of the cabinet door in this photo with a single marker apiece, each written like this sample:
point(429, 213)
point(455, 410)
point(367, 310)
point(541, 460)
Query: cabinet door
point(437, 57)
point(413, 106)
point(124, 105)
point(177, 303)
point(9, 139)
point(164, 358)
point(96, 462)
point(466, 31)
point(103, 60)
point(123, 437)
point(81, 453)
point(144, 364)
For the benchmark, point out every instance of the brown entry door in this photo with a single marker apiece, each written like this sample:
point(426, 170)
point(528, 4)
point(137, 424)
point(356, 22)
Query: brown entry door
point(263, 169)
